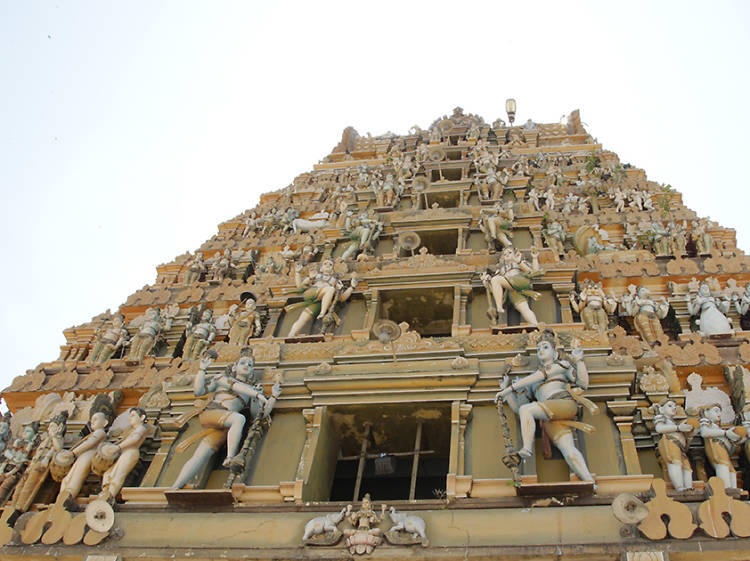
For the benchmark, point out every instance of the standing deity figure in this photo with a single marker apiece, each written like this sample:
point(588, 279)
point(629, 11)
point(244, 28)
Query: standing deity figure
point(483, 190)
point(552, 393)
point(554, 236)
point(549, 199)
point(38, 468)
point(245, 324)
point(222, 266)
point(148, 333)
point(109, 342)
point(251, 224)
point(320, 291)
point(704, 242)
point(677, 239)
point(199, 336)
point(720, 443)
point(742, 305)
point(233, 390)
point(129, 452)
point(593, 305)
point(711, 310)
point(534, 194)
point(662, 241)
point(618, 198)
point(673, 444)
point(497, 224)
point(646, 313)
point(386, 192)
point(512, 279)
point(364, 231)
point(81, 454)
point(195, 268)
point(16, 456)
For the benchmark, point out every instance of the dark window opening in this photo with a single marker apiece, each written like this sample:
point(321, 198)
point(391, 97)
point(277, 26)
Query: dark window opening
point(429, 312)
point(439, 242)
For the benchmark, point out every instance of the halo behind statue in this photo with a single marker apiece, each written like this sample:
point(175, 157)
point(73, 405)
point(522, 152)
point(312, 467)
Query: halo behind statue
point(387, 331)
point(409, 241)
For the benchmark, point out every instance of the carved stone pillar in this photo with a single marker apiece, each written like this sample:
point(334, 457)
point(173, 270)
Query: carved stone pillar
point(458, 484)
point(275, 308)
point(463, 236)
point(313, 421)
point(562, 292)
point(151, 477)
point(629, 451)
point(536, 235)
point(460, 300)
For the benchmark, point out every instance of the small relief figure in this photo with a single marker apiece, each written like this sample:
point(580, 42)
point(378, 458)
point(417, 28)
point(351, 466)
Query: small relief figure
point(407, 529)
point(219, 415)
point(554, 236)
point(497, 224)
point(720, 443)
point(149, 332)
point(4, 432)
point(552, 393)
point(77, 460)
point(38, 468)
point(647, 313)
point(222, 266)
point(534, 195)
point(677, 238)
point(593, 305)
point(704, 242)
point(364, 538)
point(742, 305)
point(251, 224)
point(195, 269)
point(127, 455)
point(108, 343)
point(711, 310)
point(323, 530)
point(321, 292)
point(661, 243)
point(15, 458)
point(513, 280)
point(673, 444)
point(364, 231)
point(199, 336)
point(245, 324)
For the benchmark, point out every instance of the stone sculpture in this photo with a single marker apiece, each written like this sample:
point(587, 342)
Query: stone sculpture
point(551, 393)
point(364, 538)
point(320, 292)
point(81, 455)
point(673, 444)
point(364, 231)
point(720, 443)
point(512, 279)
point(554, 236)
point(109, 342)
point(148, 334)
point(195, 268)
point(245, 324)
point(199, 336)
point(220, 416)
point(646, 313)
point(497, 224)
point(129, 452)
point(593, 305)
point(711, 310)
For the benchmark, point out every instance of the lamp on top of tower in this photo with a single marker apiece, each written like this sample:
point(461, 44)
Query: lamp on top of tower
point(510, 109)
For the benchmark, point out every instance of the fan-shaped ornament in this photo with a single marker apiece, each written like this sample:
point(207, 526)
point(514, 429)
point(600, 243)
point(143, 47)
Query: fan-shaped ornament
point(437, 154)
point(386, 331)
point(628, 509)
point(409, 241)
point(99, 516)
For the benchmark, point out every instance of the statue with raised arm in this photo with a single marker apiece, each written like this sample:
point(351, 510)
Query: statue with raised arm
point(222, 266)
point(554, 236)
point(110, 341)
point(320, 291)
point(593, 305)
point(81, 456)
point(647, 313)
point(673, 444)
point(199, 336)
point(704, 242)
point(552, 393)
point(512, 279)
point(364, 231)
point(233, 390)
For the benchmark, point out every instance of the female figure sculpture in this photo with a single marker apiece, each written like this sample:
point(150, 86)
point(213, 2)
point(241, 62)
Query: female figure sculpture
point(646, 313)
point(245, 324)
point(719, 443)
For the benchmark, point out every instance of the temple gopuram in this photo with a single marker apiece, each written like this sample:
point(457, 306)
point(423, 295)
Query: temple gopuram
point(471, 341)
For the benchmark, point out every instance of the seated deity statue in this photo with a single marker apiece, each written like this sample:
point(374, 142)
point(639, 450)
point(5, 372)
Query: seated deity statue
point(512, 279)
point(110, 341)
point(554, 236)
point(647, 313)
point(712, 310)
point(497, 224)
point(233, 390)
point(199, 336)
point(552, 393)
point(364, 231)
point(593, 305)
point(320, 292)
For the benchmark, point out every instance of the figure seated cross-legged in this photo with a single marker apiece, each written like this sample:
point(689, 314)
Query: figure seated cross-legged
point(220, 417)
point(552, 393)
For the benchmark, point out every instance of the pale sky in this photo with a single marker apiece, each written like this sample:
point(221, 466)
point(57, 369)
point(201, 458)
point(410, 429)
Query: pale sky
point(129, 130)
